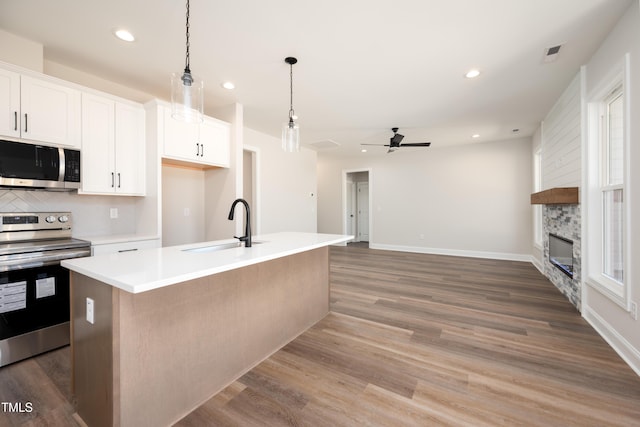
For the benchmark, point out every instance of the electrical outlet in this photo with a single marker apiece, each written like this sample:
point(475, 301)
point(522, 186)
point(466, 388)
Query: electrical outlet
point(90, 311)
point(186, 211)
point(634, 310)
point(113, 213)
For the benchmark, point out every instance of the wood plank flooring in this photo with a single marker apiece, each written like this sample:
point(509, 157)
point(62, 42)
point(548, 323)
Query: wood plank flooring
point(411, 340)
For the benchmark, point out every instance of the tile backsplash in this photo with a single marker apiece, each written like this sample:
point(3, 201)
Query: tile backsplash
point(91, 214)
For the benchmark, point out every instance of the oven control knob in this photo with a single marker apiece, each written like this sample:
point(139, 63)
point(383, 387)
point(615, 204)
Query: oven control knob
point(50, 219)
point(63, 218)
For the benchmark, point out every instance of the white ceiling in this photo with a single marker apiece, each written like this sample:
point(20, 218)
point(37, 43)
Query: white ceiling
point(364, 65)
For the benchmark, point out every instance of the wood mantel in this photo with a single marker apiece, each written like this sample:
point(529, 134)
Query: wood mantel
point(556, 196)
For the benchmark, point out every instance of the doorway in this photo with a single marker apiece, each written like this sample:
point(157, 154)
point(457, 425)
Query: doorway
point(357, 205)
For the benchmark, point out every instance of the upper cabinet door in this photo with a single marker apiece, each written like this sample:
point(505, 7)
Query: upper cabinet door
point(214, 138)
point(49, 112)
point(98, 133)
point(130, 149)
point(180, 139)
point(9, 103)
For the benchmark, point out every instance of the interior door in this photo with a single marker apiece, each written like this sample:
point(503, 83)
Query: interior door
point(363, 211)
point(352, 210)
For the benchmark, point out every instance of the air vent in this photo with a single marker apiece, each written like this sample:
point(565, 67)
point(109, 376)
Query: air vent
point(551, 53)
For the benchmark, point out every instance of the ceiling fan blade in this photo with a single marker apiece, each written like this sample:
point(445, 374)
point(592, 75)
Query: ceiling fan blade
point(416, 144)
point(396, 139)
point(379, 145)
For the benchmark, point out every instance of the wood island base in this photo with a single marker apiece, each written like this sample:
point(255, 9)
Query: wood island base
point(151, 358)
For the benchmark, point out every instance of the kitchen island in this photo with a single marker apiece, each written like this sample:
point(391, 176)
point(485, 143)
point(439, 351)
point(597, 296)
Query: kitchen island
point(174, 326)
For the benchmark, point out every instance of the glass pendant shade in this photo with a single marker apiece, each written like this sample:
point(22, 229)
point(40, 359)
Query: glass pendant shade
point(290, 137)
point(187, 98)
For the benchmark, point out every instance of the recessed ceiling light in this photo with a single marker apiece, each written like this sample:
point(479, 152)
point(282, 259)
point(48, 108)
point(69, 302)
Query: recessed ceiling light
point(475, 135)
point(364, 150)
point(124, 35)
point(228, 85)
point(472, 74)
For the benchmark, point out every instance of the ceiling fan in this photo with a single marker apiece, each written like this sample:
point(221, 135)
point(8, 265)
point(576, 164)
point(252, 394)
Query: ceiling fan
point(395, 142)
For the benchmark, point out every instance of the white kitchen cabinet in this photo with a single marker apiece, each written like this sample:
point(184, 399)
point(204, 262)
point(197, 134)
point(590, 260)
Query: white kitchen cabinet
point(214, 139)
point(113, 144)
point(10, 107)
point(39, 110)
point(204, 144)
point(124, 246)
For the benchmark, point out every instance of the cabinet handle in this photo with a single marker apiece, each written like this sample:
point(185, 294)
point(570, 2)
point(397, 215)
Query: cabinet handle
point(112, 180)
point(201, 150)
point(128, 250)
point(15, 120)
point(25, 122)
point(119, 180)
point(197, 148)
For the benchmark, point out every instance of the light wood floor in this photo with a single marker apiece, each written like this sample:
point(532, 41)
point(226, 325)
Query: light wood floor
point(411, 340)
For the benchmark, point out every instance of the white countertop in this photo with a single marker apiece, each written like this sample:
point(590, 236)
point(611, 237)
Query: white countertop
point(117, 238)
point(150, 269)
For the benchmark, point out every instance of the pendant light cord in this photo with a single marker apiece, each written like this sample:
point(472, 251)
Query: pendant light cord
point(186, 65)
point(291, 113)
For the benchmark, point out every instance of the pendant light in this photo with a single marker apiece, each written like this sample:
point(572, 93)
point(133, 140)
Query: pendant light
point(290, 130)
point(186, 91)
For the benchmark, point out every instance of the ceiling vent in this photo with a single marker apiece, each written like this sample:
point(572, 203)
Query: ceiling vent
point(323, 145)
point(551, 53)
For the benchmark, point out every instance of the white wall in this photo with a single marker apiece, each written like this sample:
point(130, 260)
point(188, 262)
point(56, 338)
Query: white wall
point(471, 200)
point(223, 186)
point(562, 143)
point(537, 251)
point(183, 205)
point(286, 185)
point(613, 322)
point(20, 51)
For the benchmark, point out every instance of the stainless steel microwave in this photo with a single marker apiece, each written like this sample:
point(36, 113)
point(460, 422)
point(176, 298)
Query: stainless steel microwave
point(35, 166)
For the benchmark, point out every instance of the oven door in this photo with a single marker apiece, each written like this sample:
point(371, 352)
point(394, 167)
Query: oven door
point(34, 311)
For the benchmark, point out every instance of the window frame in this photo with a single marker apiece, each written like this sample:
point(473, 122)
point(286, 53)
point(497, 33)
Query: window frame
point(597, 184)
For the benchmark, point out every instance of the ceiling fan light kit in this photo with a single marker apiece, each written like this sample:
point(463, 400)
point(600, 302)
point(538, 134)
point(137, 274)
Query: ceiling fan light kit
point(395, 142)
point(291, 130)
point(187, 92)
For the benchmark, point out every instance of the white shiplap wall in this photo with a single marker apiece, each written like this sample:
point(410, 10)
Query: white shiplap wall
point(561, 140)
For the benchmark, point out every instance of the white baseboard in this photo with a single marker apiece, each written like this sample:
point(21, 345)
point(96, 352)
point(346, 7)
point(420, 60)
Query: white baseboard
point(629, 354)
point(453, 252)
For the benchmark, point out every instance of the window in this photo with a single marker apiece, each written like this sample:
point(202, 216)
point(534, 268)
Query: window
point(612, 187)
point(606, 204)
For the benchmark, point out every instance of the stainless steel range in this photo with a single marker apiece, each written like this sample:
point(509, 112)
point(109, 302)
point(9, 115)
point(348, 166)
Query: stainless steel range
point(34, 288)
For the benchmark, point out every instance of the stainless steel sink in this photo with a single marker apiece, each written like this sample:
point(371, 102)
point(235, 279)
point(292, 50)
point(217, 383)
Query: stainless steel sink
point(218, 247)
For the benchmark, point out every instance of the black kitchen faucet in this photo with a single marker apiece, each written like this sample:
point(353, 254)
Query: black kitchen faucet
point(247, 227)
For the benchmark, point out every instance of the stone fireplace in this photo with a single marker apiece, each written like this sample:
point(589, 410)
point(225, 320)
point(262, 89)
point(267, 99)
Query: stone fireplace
point(563, 221)
point(561, 217)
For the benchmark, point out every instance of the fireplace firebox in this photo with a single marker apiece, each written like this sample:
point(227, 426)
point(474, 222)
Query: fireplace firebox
point(561, 253)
